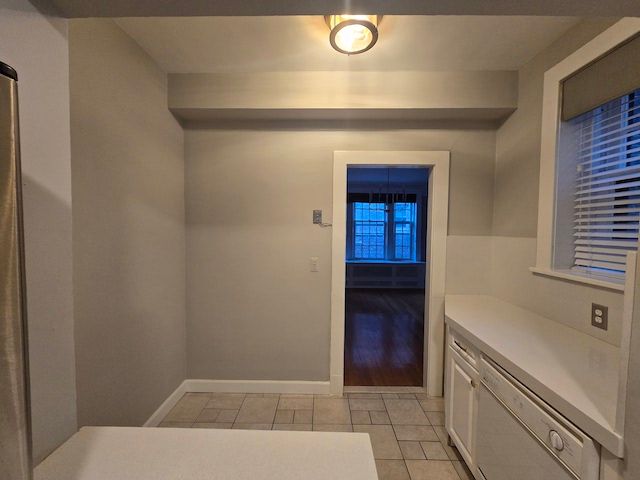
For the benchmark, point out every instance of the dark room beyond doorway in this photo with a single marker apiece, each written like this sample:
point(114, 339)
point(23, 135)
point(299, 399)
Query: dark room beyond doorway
point(385, 276)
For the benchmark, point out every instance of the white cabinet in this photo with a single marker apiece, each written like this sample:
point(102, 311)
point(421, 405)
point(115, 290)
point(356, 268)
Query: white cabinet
point(462, 404)
point(461, 397)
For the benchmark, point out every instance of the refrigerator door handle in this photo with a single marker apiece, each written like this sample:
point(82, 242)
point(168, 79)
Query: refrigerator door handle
point(15, 428)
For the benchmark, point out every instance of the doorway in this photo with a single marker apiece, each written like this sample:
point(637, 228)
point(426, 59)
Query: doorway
point(437, 163)
point(385, 269)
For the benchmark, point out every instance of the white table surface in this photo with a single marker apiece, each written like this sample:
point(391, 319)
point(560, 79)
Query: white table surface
point(128, 453)
point(573, 372)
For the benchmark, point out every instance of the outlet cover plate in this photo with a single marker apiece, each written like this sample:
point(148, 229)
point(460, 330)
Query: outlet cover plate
point(599, 316)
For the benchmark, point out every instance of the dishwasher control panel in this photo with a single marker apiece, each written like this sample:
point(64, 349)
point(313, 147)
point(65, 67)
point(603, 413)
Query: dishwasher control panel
point(565, 443)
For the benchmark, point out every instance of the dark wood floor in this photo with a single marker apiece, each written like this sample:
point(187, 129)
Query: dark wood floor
point(384, 337)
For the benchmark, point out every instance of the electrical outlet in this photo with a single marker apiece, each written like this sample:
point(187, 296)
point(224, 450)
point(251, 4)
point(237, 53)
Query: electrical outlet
point(599, 316)
point(317, 217)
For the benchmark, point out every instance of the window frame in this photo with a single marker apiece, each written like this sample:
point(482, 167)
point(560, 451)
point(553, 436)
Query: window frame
point(546, 265)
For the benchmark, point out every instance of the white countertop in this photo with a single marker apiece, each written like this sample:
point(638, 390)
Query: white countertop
point(128, 453)
point(575, 373)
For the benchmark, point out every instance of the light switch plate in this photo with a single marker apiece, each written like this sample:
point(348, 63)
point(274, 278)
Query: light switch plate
point(600, 316)
point(314, 264)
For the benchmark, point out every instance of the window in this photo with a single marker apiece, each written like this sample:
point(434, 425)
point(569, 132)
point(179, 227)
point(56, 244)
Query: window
point(589, 175)
point(370, 223)
point(603, 147)
point(383, 231)
point(405, 230)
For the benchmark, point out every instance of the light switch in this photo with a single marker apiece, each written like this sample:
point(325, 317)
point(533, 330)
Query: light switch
point(314, 264)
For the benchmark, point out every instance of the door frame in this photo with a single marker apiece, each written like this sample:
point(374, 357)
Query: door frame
point(437, 226)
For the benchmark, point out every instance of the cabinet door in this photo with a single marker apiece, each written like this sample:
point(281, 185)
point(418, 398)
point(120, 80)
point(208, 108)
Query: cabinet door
point(462, 404)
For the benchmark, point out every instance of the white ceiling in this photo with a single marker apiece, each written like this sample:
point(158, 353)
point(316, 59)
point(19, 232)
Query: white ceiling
point(251, 44)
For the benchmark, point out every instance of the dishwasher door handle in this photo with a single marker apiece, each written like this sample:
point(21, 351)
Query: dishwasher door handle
point(464, 349)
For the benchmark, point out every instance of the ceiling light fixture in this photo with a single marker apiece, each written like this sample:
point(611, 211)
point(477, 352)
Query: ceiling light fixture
point(353, 34)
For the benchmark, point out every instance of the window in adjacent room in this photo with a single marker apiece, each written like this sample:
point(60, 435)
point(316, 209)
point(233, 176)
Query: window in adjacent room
point(404, 230)
point(369, 230)
point(383, 230)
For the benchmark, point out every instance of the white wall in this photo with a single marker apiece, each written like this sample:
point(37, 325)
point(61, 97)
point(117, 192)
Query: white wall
point(516, 202)
point(36, 46)
point(255, 311)
point(128, 228)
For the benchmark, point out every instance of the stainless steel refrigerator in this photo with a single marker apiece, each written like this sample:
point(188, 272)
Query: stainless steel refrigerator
point(15, 434)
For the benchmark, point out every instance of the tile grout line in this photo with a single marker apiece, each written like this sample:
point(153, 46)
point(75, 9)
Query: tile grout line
point(233, 424)
point(273, 419)
point(393, 429)
point(346, 397)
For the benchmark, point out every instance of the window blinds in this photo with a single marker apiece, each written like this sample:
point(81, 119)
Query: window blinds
point(607, 194)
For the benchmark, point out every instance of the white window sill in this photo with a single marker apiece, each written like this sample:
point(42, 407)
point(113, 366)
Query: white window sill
point(572, 276)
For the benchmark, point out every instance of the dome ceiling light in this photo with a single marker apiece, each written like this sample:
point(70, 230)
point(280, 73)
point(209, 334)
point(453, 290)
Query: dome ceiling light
point(353, 34)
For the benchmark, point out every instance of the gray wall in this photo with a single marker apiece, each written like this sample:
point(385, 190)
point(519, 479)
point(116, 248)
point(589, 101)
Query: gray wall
point(516, 205)
point(255, 311)
point(128, 228)
point(36, 46)
point(344, 94)
point(518, 139)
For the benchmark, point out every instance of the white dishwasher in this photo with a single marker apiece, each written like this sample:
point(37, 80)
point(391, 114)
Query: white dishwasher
point(520, 437)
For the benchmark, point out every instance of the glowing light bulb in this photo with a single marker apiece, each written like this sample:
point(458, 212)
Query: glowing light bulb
point(352, 34)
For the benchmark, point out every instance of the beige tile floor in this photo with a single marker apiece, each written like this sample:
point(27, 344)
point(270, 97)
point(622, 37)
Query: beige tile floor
point(406, 429)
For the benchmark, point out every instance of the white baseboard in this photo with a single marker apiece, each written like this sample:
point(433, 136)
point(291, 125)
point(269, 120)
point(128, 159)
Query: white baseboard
point(257, 386)
point(167, 405)
point(234, 386)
